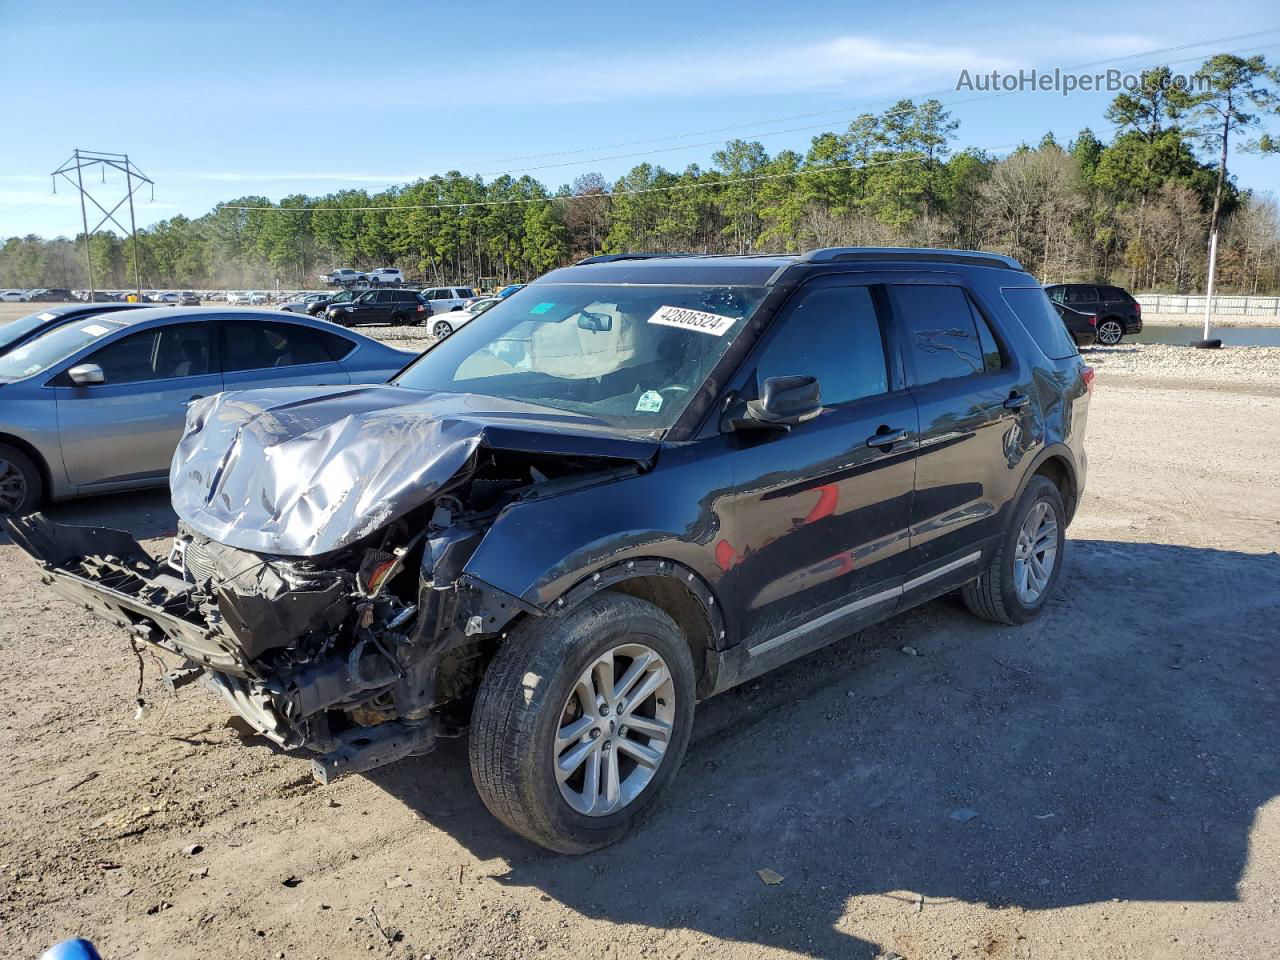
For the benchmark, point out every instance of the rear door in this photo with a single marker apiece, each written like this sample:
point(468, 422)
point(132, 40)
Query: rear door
point(820, 514)
point(127, 428)
point(275, 353)
point(974, 402)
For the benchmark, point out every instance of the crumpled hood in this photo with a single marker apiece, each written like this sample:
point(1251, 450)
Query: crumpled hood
point(301, 471)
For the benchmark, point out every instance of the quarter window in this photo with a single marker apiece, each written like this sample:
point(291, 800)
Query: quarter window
point(832, 333)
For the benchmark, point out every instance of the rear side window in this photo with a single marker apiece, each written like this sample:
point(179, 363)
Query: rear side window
point(335, 345)
point(1114, 293)
point(257, 345)
point(941, 330)
point(1081, 295)
point(1036, 313)
point(832, 333)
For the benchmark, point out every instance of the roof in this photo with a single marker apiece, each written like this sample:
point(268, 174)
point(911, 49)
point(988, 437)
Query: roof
point(756, 269)
point(147, 314)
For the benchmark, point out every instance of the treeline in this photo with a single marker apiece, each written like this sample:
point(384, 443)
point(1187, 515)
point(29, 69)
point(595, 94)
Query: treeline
point(1134, 209)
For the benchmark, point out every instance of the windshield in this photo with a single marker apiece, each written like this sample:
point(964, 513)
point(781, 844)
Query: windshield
point(21, 328)
point(43, 351)
point(629, 355)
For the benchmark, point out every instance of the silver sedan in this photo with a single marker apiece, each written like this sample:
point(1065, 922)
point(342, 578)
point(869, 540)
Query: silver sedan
point(99, 405)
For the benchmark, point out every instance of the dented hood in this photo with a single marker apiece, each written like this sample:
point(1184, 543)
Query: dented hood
point(297, 471)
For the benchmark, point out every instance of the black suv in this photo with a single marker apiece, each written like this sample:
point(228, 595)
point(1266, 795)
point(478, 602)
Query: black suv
point(629, 486)
point(1117, 312)
point(379, 306)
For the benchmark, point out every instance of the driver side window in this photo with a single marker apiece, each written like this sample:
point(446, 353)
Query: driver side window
point(832, 333)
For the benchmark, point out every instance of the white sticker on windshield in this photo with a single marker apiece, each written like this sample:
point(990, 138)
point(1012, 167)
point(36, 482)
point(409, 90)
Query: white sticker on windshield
point(95, 330)
point(650, 402)
point(687, 319)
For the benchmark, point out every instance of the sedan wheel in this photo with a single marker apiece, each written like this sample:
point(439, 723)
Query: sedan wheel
point(614, 730)
point(442, 328)
point(21, 484)
point(1110, 332)
point(13, 487)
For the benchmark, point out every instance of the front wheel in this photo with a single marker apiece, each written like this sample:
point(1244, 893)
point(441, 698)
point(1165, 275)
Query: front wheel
point(21, 483)
point(581, 722)
point(1024, 570)
point(442, 328)
point(1110, 332)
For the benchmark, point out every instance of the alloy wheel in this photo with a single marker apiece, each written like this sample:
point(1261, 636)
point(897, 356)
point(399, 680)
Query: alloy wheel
point(1110, 332)
point(13, 487)
point(1036, 553)
point(614, 729)
point(442, 329)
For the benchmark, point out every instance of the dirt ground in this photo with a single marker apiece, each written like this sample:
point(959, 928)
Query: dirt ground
point(1118, 756)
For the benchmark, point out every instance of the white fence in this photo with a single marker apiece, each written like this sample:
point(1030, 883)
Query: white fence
point(1222, 306)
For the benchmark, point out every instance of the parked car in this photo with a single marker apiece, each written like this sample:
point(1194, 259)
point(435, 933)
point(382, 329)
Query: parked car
point(1083, 327)
point(1118, 313)
point(444, 299)
point(300, 304)
point(379, 306)
point(509, 289)
point(53, 295)
point(255, 299)
point(317, 307)
point(17, 332)
point(14, 296)
point(444, 326)
point(343, 277)
point(189, 298)
point(385, 276)
point(169, 296)
point(644, 482)
point(99, 406)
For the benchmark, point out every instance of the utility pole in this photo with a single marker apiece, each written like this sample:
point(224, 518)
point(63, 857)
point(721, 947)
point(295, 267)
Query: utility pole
point(82, 160)
point(1208, 296)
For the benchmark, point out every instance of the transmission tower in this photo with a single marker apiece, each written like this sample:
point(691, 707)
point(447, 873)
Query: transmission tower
point(79, 162)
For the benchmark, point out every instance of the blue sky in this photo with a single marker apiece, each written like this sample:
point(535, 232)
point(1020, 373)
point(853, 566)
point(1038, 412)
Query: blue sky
point(227, 99)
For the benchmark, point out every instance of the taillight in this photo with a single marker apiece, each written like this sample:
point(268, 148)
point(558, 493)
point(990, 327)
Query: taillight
point(421, 308)
point(1137, 306)
point(1086, 374)
point(1093, 319)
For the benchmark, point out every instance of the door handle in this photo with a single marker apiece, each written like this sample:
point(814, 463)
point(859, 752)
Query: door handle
point(1016, 401)
point(886, 437)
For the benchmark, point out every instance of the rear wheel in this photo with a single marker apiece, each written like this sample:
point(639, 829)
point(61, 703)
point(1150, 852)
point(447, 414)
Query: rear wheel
point(1025, 568)
point(21, 485)
point(1110, 332)
point(581, 722)
point(442, 328)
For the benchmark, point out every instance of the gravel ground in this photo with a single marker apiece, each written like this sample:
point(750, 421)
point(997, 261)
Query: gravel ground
point(1225, 367)
point(1098, 784)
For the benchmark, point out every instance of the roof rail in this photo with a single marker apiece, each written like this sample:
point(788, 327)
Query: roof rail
point(613, 257)
point(976, 258)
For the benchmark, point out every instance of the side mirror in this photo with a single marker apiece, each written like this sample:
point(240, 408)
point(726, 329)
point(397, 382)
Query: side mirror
point(598, 322)
point(784, 402)
point(86, 374)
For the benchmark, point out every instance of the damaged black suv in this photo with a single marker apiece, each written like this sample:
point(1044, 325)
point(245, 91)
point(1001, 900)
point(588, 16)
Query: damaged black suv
point(631, 485)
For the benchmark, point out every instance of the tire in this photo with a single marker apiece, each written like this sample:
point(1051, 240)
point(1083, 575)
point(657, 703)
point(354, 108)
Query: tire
point(995, 594)
point(532, 686)
point(1110, 332)
point(21, 483)
point(441, 329)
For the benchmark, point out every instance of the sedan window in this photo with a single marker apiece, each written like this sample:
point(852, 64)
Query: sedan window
point(258, 345)
point(163, 353)
point(941, 331)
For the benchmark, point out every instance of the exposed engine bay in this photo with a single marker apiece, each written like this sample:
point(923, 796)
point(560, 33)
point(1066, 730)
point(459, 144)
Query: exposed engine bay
point(363, 654)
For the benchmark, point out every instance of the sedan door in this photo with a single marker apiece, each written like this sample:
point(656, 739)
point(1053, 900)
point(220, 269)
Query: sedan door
point(819, 535)
point(126, 429)
point(260, 353)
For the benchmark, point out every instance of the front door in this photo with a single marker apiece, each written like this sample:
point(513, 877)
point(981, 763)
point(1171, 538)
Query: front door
point(126, 428)
point(818, 531)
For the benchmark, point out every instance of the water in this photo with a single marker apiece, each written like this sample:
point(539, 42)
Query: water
point(1230, 336)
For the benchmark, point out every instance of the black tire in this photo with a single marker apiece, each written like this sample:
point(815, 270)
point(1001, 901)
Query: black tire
point(441, 329)
point(21, 482)
point(1110, 332)
point(993, 595)
point(520, 705)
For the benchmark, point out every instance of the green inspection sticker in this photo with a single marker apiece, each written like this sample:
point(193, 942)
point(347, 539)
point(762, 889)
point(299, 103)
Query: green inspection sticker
point(541, 308)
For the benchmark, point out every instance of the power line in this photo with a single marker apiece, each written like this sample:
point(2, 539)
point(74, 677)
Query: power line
point(696, 185)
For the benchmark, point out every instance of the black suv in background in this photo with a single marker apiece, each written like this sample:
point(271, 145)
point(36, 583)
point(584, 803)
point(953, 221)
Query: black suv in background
point(1117, 312)
point(403, 307)
point(1083, 327)
point(634, 484)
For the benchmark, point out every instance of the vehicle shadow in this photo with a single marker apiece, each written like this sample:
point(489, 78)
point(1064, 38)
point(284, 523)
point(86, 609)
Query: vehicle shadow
point(144, 514)
point(1118, 747)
